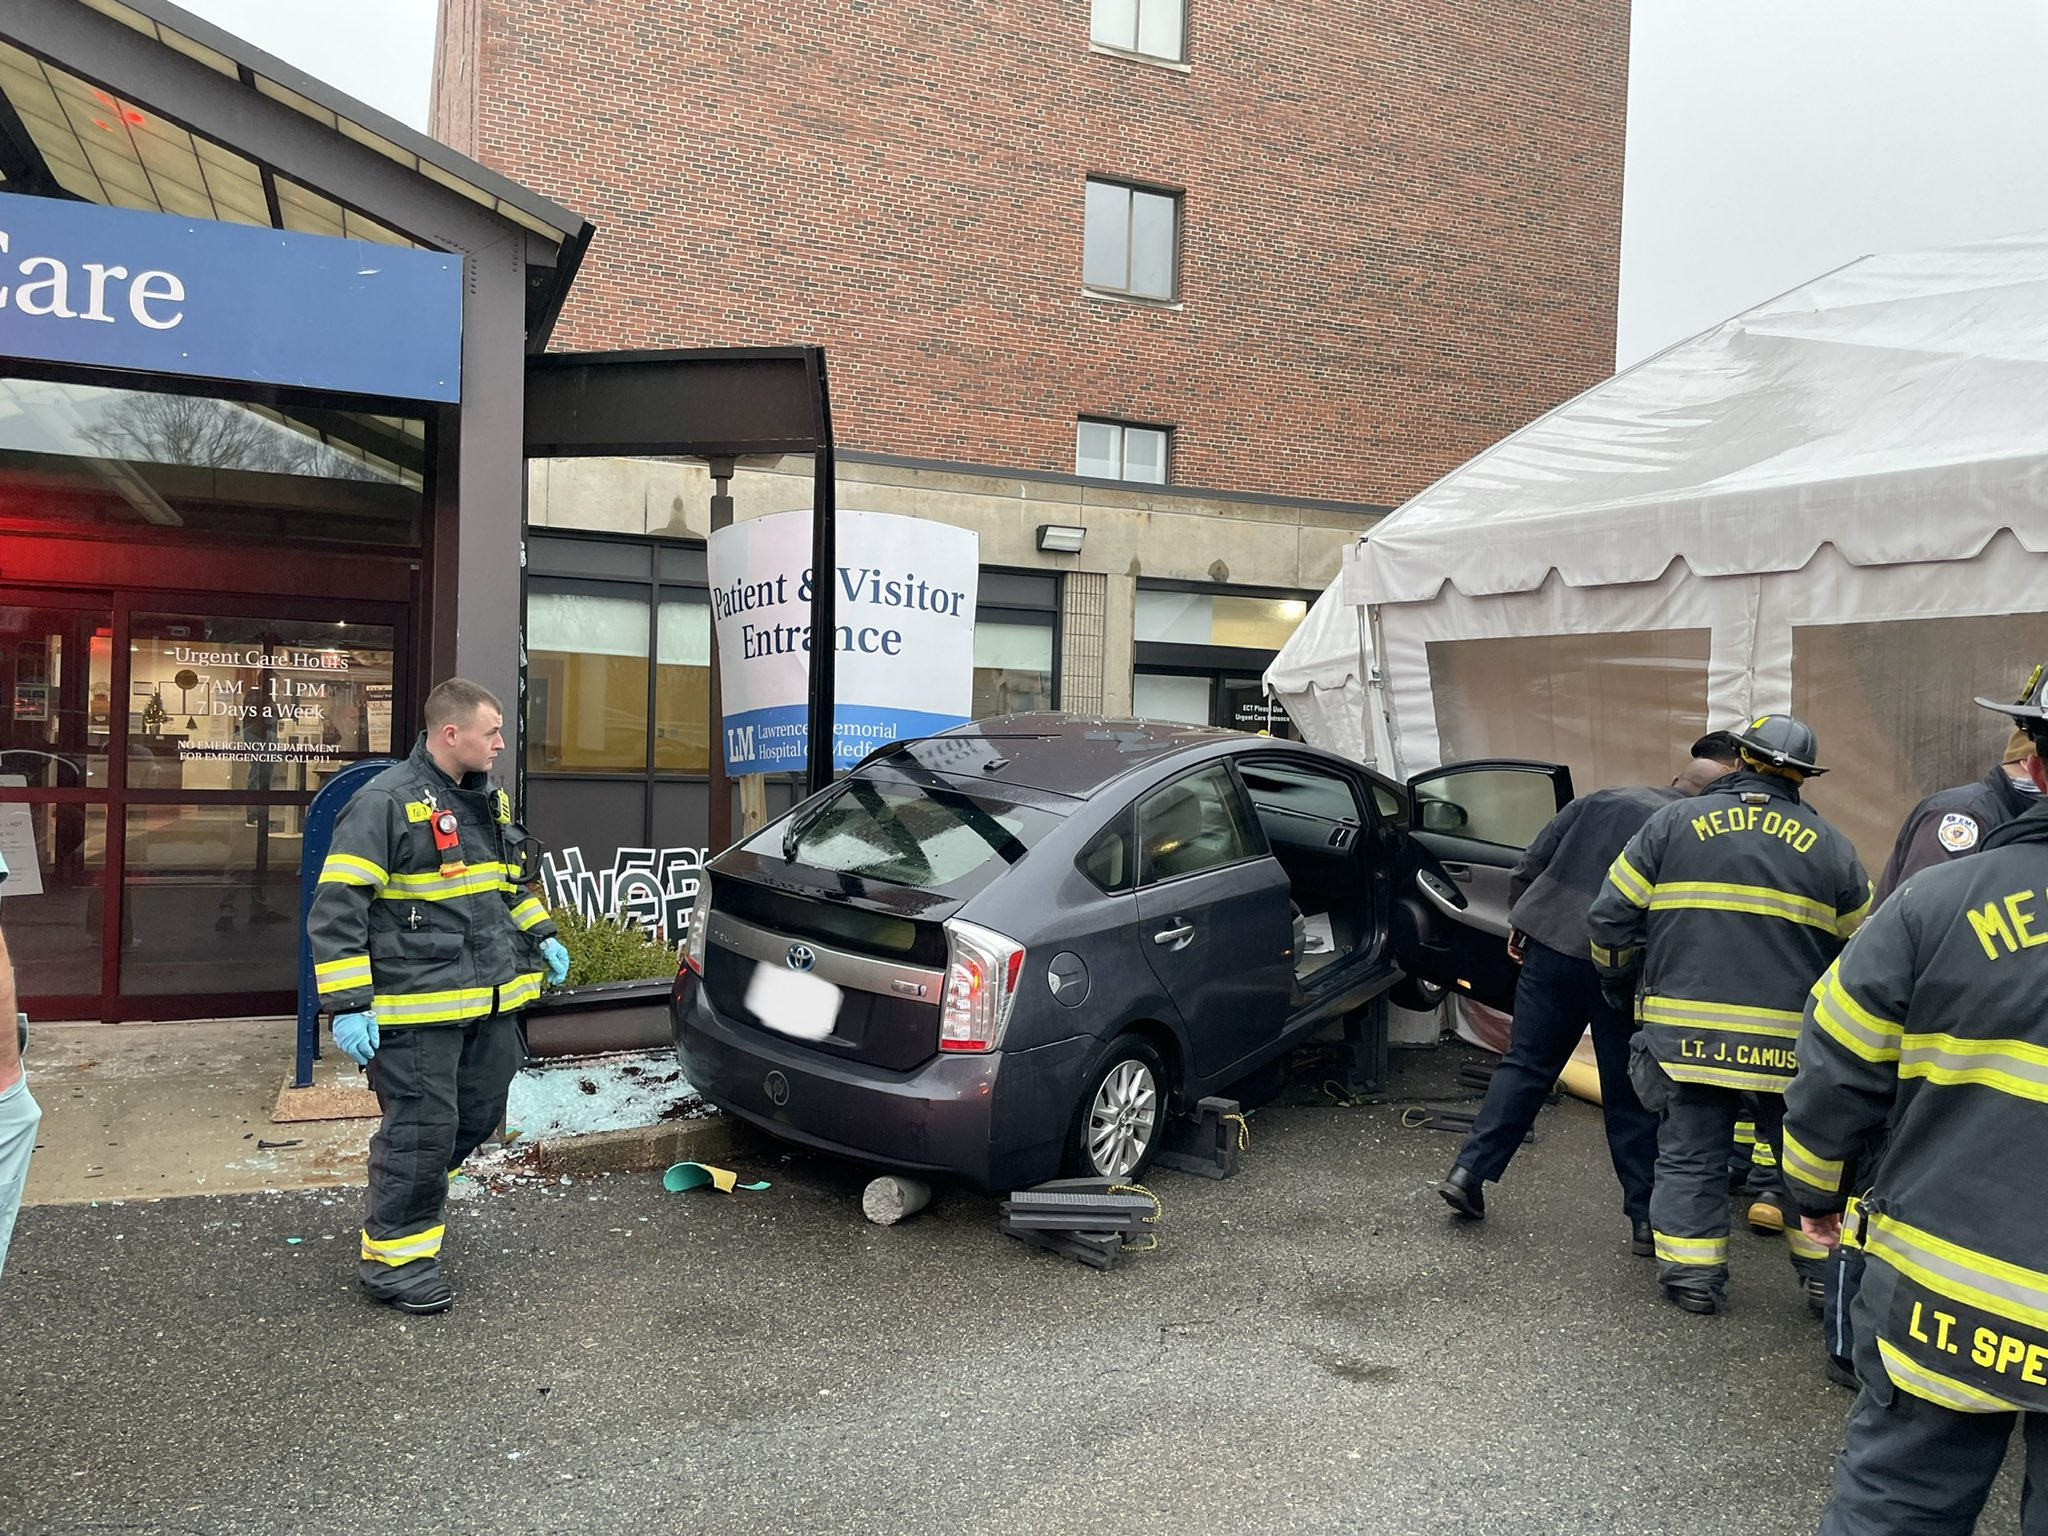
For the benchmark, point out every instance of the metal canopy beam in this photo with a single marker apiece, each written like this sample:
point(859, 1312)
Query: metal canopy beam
point(696, 403)
point(706, 403)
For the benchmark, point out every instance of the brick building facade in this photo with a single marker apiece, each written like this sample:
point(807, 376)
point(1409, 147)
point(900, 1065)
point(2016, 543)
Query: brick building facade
point(1398, 241)
point(1208, 284)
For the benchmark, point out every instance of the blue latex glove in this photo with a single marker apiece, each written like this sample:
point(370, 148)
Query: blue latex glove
point(556, 954)
point(356, 1034)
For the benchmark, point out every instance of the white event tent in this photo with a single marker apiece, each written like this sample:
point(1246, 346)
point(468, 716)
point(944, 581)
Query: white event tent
point(1834, 503)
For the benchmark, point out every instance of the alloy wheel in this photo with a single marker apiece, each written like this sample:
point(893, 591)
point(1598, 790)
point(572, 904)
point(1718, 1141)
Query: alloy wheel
point(1121, 1119)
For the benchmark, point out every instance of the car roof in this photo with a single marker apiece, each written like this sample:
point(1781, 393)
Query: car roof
point(1061, 754)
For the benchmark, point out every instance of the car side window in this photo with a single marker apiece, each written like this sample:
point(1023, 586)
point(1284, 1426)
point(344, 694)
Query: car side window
point(1110, 861)
point(1194, 823)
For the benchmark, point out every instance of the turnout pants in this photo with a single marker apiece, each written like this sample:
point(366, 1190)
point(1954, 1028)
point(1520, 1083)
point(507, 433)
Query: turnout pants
point(1555, 999)
point(442, 1088)
point(1689, 1206)
point(1909, 1467)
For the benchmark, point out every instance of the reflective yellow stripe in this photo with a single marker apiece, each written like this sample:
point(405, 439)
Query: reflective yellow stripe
point(403, 1250)
point(347, 869)
point(1849, 922)
point(2009, 1066)
point(1756, 900)
point(1725, 1077)
point(1802, 1164)
point(530, 913)
point(1975, 1279)
point(475, 880)
point(1735, 1018)
point(1602, 955)
point(1745, 1133)
point(1802, 1246)
point(1851, 1024)
point(519, 991)
point(1910, 1375)
point(418, 810)
point(1762, 1155)
point(1626, 880)
point(433, 1007)
point(1691, 1250)
point(332, 976)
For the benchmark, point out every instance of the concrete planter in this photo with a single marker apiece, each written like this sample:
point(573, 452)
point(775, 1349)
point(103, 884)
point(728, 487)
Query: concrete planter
point(607, 1016)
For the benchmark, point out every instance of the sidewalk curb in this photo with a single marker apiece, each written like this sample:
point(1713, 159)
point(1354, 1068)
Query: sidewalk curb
point(638, 1149)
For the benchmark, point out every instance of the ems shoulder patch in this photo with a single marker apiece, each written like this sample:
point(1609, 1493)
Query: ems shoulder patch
point(1958, 833)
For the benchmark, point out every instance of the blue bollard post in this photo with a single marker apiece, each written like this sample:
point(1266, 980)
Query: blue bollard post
point(320, 818)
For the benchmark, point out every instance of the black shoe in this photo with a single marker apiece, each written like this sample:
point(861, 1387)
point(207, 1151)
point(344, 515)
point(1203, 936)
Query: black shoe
point(1642, 1242)
point(1842, 1375)
point(1693, 1298)
point(1464, 1191)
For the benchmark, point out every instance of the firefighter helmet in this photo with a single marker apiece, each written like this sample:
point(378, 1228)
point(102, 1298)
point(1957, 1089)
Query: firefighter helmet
point(1781, 741)
point(2030, 710)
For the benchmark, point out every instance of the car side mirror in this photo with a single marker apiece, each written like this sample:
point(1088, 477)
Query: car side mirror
point(1442, 816)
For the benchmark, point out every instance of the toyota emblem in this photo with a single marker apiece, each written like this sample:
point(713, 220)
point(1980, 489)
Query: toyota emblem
point(802, 957)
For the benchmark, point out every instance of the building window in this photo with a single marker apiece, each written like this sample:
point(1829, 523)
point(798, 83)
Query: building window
point(1014, 620)
point(1199, 655)
point(1129, 241)
point(592, 706)
point(1155, 28)
point(1116, 450)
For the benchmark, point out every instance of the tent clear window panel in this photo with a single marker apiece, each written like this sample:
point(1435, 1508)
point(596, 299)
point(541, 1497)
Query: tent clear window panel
point(1891, 703)
point(1581, 700)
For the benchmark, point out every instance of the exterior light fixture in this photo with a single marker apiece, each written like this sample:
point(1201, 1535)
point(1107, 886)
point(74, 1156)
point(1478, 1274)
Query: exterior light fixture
point(1060, 538)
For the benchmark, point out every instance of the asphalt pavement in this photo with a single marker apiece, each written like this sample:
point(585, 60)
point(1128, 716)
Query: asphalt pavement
point(1316, 1346)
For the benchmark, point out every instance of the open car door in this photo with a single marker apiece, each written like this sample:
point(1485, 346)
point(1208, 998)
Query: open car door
point(1468, 826)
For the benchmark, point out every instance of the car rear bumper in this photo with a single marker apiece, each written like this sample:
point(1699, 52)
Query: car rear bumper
point(998, 1119)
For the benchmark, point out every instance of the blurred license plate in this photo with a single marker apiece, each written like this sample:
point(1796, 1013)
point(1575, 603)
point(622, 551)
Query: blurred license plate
point(793, 1003)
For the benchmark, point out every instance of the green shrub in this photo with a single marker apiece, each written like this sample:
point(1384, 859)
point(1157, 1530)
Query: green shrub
point(609, 949)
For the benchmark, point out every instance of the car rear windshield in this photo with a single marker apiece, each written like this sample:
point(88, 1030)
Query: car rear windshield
point(934, 837)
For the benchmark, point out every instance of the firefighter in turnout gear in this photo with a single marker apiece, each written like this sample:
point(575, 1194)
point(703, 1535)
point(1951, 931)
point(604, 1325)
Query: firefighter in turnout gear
point(425, 947)
point(1933, 1022)
point(1727, 907)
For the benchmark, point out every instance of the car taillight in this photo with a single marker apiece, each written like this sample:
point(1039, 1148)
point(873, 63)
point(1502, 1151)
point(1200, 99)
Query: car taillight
point(700, 919)
point(982, 970)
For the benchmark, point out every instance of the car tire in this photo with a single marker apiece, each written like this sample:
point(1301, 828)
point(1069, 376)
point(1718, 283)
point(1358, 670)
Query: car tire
point(1120, 1119)
point(1417, 995)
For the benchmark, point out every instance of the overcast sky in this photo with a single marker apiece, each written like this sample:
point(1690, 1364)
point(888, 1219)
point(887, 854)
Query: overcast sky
point(1769, 140)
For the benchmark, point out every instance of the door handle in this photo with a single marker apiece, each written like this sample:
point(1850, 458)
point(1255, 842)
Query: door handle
point(1459, 872)
point(1176, 937)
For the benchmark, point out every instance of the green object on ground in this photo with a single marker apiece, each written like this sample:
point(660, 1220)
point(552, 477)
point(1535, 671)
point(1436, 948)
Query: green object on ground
point(682, 1176)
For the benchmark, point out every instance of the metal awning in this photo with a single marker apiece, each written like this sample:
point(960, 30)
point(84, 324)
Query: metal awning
point(67, 130)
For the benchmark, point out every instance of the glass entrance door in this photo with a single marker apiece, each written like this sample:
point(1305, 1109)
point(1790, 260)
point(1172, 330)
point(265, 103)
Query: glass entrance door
point(1195, 697)
point(196, 734)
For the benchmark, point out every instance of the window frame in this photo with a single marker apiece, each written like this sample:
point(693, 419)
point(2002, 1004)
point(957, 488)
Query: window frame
point(1131, 50)
point(1176, 199)
point(1252, 836)
point(1123, 429)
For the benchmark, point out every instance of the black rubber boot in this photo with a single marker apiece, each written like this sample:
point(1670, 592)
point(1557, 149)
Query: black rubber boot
point(1642, 1242)
point(1693, 1299)
point(418, 1287)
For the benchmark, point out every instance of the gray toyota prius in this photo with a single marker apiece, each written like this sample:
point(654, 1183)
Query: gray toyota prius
point(1015, 949)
